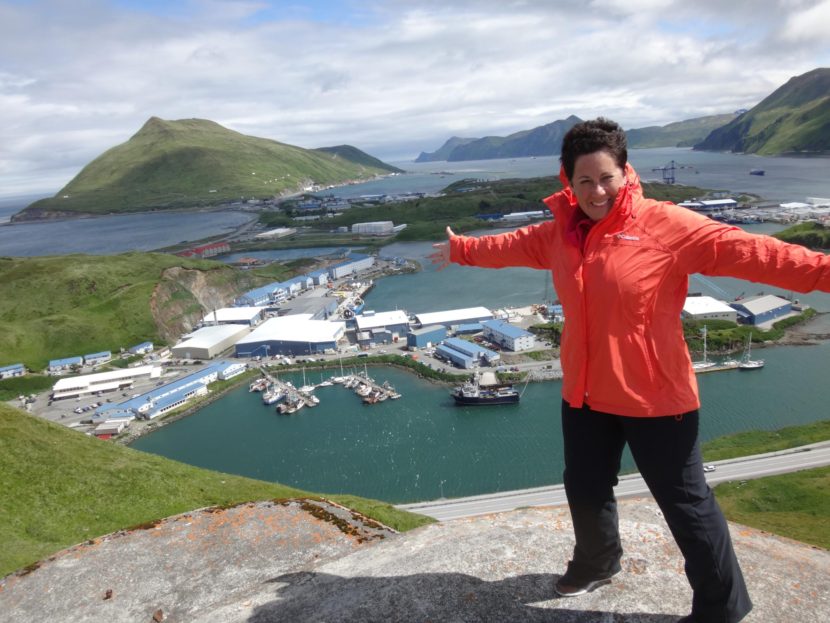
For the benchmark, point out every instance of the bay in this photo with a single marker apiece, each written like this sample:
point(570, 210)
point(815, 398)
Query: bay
point(422, 447)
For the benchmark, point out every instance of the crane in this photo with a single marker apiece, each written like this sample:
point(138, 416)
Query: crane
point(668, 171)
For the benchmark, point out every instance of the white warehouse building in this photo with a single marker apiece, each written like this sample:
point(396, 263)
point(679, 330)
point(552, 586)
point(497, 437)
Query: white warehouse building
point(292, 335)
point(208, 342)
point(707, 308)
point(88, 384)
point(250, 316)
point(374, 228)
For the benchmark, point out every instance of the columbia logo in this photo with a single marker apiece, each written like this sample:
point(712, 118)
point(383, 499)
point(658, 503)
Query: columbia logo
point(627, 237)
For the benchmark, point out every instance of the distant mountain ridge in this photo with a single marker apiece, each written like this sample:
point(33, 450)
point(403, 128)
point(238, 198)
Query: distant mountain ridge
point(192, 162)
point(678, 134)
point(544, 140)
point(795, 118)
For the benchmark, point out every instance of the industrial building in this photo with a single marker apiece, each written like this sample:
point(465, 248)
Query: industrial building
point(710, 205)
point(507, 335)
point(760, 309)
point(16, 369)
point(466, 354)
point(100, 382)
point(319, 277)
point(249, 316)
point(374, 228)
point(141, 349)
point(351, 266)
point(291, 335)
point(454, 316)
point(59, 366)
point(161, 400)
point(96, 359)
point(707, 308)
point(425, 337)
point(396, 322)
point(208, 342)
point(279, 232)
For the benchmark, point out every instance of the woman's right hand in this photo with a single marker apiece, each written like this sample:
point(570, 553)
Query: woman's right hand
point(441, 255)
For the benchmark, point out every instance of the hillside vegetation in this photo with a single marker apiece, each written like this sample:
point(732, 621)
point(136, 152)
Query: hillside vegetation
point(811, 235)
point(795, 118)
point(462, 201)
point(191, 162)
point(54, 307)
point(679, 134)
point(60, 488)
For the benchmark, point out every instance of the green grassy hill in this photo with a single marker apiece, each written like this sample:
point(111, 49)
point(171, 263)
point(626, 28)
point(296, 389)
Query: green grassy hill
point(795, 118)
point(190, 162)
point(680, 134)
point(54, 307)
point(811, 235)
point(59, 487)
point(353, 154)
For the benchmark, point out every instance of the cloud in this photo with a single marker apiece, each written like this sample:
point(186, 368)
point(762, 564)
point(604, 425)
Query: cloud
point(392, 78)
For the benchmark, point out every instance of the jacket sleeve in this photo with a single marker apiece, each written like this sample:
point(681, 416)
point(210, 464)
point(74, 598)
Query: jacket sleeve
point(530, 247)
point(702, 245)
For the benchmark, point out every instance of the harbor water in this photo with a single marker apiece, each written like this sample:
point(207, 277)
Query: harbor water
point(422, 447)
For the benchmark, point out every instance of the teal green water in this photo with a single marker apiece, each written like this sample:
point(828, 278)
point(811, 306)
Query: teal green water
point(423, 447)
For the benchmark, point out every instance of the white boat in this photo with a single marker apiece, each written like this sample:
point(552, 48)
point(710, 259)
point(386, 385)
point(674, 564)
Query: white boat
point(697, 366)
point(746, 362)
point(272, 396)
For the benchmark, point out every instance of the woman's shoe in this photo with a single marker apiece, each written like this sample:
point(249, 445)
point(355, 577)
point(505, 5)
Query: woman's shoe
point(568, 587)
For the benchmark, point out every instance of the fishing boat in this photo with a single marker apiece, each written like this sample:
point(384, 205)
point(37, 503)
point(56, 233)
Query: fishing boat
point(746, 362)
point(478, 391)
point(258, 385)
point(272, 396)
point(757, 172)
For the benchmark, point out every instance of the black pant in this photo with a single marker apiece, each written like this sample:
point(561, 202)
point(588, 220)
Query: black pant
point(668, 456)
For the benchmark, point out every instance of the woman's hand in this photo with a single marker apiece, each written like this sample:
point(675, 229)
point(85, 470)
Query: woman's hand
point(441, 255)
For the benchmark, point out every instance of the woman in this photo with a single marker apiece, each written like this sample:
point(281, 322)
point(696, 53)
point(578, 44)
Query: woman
point(620, 266)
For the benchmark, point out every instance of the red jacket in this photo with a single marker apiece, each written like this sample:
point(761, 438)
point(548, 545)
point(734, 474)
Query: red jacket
point(623, 350)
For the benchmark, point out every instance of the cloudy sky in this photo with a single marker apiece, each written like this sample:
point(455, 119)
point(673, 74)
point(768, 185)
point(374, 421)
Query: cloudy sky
point(392, 77)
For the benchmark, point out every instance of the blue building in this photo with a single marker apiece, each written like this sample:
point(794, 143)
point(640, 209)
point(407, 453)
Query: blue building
point(141, 349)
point(456, 357)
point(161, 400)
point(95, 359)
point(56, 366)
point(507, 335)
point(16, 369)
point(425, 336)
point(478, 353)
point(466, 329)
point(760, 309)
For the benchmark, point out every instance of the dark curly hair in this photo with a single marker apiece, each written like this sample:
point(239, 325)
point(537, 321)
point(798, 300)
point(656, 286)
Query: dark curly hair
point(587, 137)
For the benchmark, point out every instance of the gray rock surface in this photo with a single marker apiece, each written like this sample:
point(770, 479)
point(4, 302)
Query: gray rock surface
point(271, 562)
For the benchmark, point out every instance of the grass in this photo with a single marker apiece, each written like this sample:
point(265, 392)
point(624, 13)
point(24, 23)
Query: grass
point(811, 235)
point(792, 505)
point(427, 218)
point(191, 162)
point(62, 306)
point(760, 441)
point(59, 488)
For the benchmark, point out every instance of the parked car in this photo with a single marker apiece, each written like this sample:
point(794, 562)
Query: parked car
point(708, 468)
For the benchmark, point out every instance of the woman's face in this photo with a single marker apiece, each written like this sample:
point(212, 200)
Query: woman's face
point(597, 180)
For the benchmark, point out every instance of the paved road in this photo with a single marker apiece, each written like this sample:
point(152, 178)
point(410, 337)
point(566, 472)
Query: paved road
point(744, 468)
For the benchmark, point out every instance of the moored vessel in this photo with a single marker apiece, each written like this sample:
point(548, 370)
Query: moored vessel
point(488, 391)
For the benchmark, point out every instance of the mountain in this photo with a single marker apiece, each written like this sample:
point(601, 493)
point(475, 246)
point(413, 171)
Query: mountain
point(354, 155)
point(795, 118)
point(444, 152)
point(679, 134)
point(191, 162)
point(545, 140)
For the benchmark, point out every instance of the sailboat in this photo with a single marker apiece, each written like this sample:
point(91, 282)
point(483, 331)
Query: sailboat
point(747, 363)
point(699, 366)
